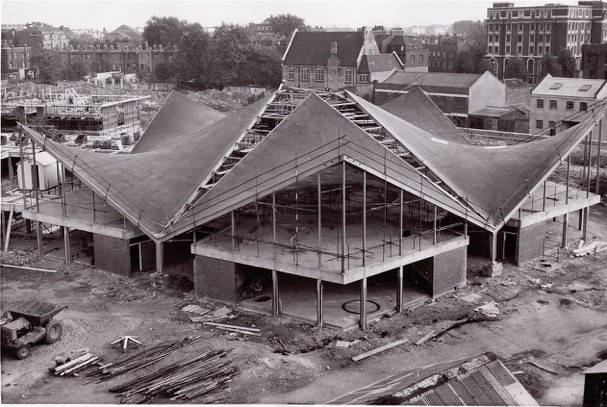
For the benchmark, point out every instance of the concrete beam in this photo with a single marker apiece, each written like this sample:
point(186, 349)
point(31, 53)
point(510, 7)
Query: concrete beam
point(574, 205)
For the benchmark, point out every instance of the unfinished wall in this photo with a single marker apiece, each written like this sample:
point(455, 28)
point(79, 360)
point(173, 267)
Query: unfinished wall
point(449, 271)
point(531, 242)
point(215, 279)
point(112, 254)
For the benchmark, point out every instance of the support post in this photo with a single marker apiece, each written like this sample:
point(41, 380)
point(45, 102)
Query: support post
point(597, 190)
point(275, 294)
point(11, 170)
point(493, 247)
point(66, 243)
point(274, 222)
point(400, 224)
point(8, 225)
point(565, 231)
point(364, 218)
point(399, 290)
point(585, 223)
point(61, 180)
point(434, 240)
point(159, 257)
point(580, 225)
point(233, 230)
point(319, 223)
point(35, 176)
point(544, 197)
point(319, 299)
point(22, 162)
point(589, 165)
point(363, 303)
point(343, 216)
point(39, 238)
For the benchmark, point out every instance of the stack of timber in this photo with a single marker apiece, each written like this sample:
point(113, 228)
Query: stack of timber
point(205, 315)
point(235, 328)
point(140, 360)
point(590, 248)
point(186, 379)
point(75, 366)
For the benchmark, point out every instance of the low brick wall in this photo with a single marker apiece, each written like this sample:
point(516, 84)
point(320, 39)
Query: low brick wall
point(215, 279)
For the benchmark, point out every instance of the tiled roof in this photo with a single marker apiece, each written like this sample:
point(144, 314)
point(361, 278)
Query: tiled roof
point(588, 88)
point(379, 63)
point(314, 48)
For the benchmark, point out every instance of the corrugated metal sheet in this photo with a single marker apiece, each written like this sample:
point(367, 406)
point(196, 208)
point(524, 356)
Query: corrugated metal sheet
point(476, 391)
point(499, 371)
point(484, 384)
point(462, 392)
point(448, 396)
point(432, 399)
point(497, 386)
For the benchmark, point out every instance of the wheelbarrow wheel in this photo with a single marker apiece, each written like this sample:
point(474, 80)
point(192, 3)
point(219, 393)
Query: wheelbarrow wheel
point(53, 332)
point(24, 352)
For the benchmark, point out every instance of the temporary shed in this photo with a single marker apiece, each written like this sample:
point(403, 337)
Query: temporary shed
point(47, 168)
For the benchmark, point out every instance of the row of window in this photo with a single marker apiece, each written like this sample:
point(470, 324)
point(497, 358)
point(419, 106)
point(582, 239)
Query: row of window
point(441, 64)
point(509, 27)
point(519, 38)
point(319, 75)
point(539, 124)
point(569, 105)
point(519, 49)
point(438, 54)
point(520, 14)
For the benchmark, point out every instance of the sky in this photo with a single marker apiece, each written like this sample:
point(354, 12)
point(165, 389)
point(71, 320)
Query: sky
point(336, 13)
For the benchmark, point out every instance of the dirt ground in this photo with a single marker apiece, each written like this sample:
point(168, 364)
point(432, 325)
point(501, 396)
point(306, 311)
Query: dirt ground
point(560, 322)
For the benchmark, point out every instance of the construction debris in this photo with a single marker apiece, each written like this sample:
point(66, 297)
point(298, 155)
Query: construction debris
point(124, 341)
point(27, 268)
point(425, 337)
point(186, 379)
point(235, 328)
point(489, 310)
point(206, 315)
point(380, 349)
point(590, 248)
point(73, 366)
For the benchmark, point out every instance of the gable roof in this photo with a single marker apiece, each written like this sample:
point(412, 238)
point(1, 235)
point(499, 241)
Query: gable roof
point(379, 63)
point(417, 108)
point(433, 79)
point(314, 48)
point(179, 116)
point(577, 87)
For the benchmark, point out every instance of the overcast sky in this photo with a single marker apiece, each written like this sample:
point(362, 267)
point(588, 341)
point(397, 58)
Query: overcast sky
point(340, 13)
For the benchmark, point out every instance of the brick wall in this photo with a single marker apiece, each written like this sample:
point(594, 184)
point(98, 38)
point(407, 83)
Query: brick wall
point(215, 279)
point(112, 254)
point(531, 242)
point(449, 271)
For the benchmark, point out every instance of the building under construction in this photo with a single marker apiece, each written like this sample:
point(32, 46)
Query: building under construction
point(317, 205)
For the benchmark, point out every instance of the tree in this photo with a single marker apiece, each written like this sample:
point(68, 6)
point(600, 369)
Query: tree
point(550, 66)
point(164, 72)
point(165, 31)
point(567, 62)
point(46, 65)
point(193, 55)
point(483, 66)
point(515, 68)
point(472, 30)
point(76, 71)
point(263, 67)
point(285, 24)
point(229, 49)
point(464, 63)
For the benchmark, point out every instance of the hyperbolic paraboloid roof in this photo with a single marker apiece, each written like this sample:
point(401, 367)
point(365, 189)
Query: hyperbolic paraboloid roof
point(484, 185)
point(178, 117)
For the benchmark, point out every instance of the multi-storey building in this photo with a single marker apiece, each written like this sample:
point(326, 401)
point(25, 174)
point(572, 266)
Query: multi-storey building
point(16, 62)
point(128, 59)
point(42, 37)
point(530, 32)
point(594, 61)
point(442, 55)
point(412, 52)
point(555, 102)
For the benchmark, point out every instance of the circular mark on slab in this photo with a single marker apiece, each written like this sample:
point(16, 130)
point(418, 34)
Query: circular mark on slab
point(353, 307)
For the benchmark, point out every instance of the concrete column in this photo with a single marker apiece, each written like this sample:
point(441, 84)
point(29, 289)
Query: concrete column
point(39, 238)
point(565, 231)
point(585, 223)
point(580, 219)
point(365, 218)
point(66, 243)
point(493, 247)
point(275, 294)
point(363, 303)
point(399, 290)
point(159, 257)
point(11, 170)
point(319, 309)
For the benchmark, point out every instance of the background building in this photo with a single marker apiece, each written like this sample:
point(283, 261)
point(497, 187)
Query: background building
point(530, 32)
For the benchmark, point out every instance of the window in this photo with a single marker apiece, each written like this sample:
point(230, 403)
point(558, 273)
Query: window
point(585, 88)
point(348, 75)
point(556, 85)
point(553, 104)
point(319, 74)
point(540, 49)
point(519, 49)
point(531, 49)
point(583, 106)
point(527, 13)
point(507, 37)
point(540, 103)
point(547, 49)
point(569, 105)
point(520, 27)
point(304, 74)
point(363, 78)
point(532, 27)
point(413, 58)
point(539, 124)
point(519, 38)
point(552, 124)
point(508, 27)
point(507, 49)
